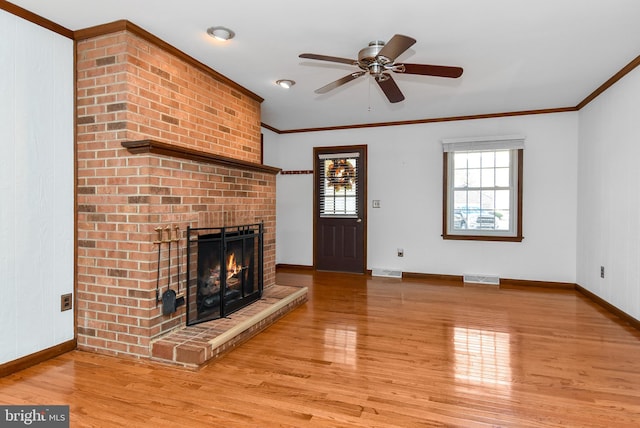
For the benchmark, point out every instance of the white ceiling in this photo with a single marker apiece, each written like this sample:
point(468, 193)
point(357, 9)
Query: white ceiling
point(517, 55)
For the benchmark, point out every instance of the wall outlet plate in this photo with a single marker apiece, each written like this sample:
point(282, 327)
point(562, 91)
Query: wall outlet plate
point(66, 302)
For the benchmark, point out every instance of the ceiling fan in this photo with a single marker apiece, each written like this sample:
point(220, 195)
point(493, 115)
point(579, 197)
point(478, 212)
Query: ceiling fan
point(378, 59)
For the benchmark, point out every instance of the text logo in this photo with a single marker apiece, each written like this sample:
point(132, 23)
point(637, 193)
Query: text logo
point(34, 416)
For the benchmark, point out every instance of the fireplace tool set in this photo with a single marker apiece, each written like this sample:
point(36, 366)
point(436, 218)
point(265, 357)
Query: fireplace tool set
point(170, 299)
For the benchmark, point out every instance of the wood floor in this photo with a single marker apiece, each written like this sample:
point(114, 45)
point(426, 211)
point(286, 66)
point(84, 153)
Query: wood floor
point(375, 352)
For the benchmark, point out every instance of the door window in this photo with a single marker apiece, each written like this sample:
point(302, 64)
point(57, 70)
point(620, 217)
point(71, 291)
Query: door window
point(339, 185)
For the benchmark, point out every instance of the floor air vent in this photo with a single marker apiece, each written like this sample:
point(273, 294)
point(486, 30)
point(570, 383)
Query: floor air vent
point(387, 273)
point(482, 279)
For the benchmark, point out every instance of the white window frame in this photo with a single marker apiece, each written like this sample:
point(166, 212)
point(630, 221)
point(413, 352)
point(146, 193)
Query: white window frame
point(515, 145)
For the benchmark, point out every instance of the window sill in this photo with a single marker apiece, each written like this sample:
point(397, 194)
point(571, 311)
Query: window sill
point(483, 238)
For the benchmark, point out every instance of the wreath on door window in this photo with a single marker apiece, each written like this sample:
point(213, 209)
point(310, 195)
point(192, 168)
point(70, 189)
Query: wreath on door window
point(341, 174)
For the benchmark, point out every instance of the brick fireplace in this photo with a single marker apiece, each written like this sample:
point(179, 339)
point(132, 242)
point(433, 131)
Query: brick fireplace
point(162, 141)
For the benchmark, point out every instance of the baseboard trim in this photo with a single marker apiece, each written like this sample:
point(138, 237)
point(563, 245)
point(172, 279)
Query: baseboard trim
point(36, 358)
point(433, 277)
point(288, 266)
point(609, 307)
point(504, 282)
point(516, 283)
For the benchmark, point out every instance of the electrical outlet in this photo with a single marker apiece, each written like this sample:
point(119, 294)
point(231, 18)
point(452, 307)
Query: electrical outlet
point(601, 271)
point(375, 203)
point(66, 302)
point(400, 252)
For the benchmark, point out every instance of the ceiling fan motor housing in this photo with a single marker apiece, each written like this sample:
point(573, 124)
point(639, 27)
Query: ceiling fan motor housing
point(369, 60)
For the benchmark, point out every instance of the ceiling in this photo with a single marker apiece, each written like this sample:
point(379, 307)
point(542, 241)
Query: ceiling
point(516, 55)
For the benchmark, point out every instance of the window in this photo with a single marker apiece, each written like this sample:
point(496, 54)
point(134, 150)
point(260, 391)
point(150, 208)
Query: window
point(483, 188)
point(338, 186)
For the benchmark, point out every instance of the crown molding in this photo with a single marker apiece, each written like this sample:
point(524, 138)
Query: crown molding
point(609, 83)
point(36, 19)
point(422, 121)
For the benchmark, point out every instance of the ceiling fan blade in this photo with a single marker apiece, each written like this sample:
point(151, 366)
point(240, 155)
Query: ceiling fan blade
point(346, 79)
point(390, 89)
point(394, 47)
point(329, 58)
point(431, 70)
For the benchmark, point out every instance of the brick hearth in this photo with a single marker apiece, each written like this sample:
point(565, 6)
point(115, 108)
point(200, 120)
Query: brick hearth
point(196, 345)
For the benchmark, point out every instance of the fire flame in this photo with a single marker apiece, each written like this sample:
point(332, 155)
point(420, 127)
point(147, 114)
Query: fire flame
point(232, 267)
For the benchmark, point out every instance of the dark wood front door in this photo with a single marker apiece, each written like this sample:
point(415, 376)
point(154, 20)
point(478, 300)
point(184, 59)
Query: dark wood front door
point(340, 209)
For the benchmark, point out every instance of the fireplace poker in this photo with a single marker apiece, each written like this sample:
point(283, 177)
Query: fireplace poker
point(177, 240)
point(180, 300)
point(169, 296)
point(159, 242)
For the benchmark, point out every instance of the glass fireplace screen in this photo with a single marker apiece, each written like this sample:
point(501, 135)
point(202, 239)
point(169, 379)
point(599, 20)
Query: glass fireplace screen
point(224, 270)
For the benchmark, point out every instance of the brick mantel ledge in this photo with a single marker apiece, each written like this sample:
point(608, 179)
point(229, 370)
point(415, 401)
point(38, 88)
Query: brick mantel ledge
point(160, 148)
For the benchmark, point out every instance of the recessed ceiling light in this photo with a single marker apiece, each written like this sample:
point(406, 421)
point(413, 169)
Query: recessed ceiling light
point(285, 83)
point(221, 33)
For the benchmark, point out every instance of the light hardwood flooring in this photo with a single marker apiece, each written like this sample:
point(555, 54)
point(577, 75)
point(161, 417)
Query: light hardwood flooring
point(375, 352)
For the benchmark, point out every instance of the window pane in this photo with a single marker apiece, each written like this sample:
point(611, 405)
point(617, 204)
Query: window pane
point(503, 158)
point(488, 175)
point(460, 198)
point(460, 178)
point(350, 205)
point(502, 220)
point(502, 177)
point(339, 187)
point(460, 160)
point(473, 159)
point(474, 177)
point(488, 159)
point(473, 199)
point(503, 200)
point(488, 200)
point(459, 220)
point(329, 206)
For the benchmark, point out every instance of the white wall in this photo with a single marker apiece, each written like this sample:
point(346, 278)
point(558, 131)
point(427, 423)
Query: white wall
point(609, 195)
point(405, 174)
point(36, 187)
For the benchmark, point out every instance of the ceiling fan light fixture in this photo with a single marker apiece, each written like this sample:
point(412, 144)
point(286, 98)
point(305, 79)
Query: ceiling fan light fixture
point(221, 33)
point(375, 68)
point(285, 83)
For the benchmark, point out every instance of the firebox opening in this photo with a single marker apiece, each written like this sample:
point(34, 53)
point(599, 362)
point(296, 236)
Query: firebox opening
point(225, 270)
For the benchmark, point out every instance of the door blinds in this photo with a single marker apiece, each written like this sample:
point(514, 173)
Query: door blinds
point(338, 184)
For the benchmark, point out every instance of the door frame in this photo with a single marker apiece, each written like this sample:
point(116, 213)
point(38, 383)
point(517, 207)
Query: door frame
point(362, 182)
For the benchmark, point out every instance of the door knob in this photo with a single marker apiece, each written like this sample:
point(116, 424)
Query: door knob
point(359, 220)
